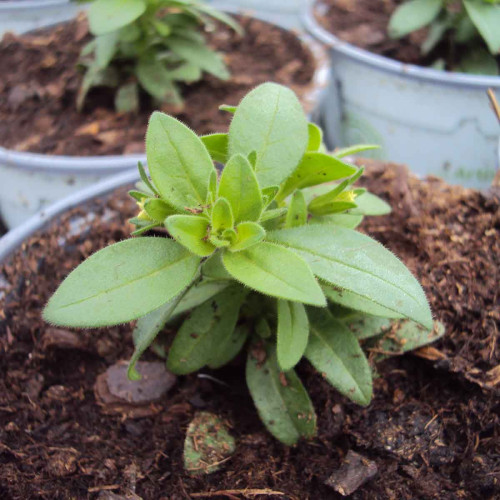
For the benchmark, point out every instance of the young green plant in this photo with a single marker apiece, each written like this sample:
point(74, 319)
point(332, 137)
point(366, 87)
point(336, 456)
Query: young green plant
point(149, 44)
point(263, 257)
point(470, 28)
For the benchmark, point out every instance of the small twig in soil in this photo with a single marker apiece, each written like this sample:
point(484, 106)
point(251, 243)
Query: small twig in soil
point(494, 103)
point(230, 493)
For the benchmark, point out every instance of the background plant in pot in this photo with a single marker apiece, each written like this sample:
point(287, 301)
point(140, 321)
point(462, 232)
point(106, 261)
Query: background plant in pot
point(385, 90)
point(264, 256)
point(469, 29)
point(149, 44)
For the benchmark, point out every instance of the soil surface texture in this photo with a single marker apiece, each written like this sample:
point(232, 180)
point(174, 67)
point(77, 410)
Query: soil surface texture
point(40, 80)
point(364, 23)
point(431, 432)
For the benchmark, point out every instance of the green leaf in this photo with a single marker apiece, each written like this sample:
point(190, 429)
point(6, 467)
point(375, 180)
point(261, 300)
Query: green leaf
point(122, 282)
point(206, 328)
point(238, 184)
point(198, 295)
point(214, 269)
point(216, 145)
point(178, 161)
point(158, 209)
point(357, 263)
point(127, 98)
point(315, 137)
point(436, 33)
point(354, 301)
point(344, 220)
point(404, 336)
point(109, 15)
point(335, 353)
point(230, 347)
point(155, 79)
point(352, 150)
point(297, 211)
point(222, 216)
point(370, 204)
point(413, 15)
point(486, 18)
point(105, 48)
point(282, 403)
point(248, 234)
point(146, 330)
point(270, 121)
point(221, 16)
point(315, 168)
point(185, 73)
point(190, 231)
point(273, 214)
point(199, 55)
point(268, 195)
point(364, 326)
point(228, 108)
point(478, 61)
point(293, 333)
point(145, 179)
point(276, 271)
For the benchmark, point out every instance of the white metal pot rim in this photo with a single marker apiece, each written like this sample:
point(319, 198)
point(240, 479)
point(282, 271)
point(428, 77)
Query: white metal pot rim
point(387, 65)
point(15, 237)
point(112, 164)
point(30, 4)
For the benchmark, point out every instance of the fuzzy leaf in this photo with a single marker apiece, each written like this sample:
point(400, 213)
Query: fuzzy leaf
point(155, 79)
point(199, 294)
point(216, 145)
point(276, 271)
point(293, 333)
point(178, 161)
point(356, 302)
point(230, 347)
point(364, 326)
point(315, 137)
point(335, 352)
point(352, 150)
point(297, 211)
point(315, 168)
point(270, 121)
point(222, 216)
point(122, 282)
point(205, 329)
point(370, 204)
point(238, 184)
point(413, 15)
point(185, 73)
point(145, 179)
point(273, 214)
point(105, 48)
point(359, 264)
point(344, 220)
point(190, 231)
point(282, 403)
point(486, 18)
point(158, 209)
point(127, 98)
point(199, 55)
point(248, 234)
point(109, 15)
point(213, 268)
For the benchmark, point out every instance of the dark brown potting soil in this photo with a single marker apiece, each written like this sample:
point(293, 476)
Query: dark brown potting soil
point(364, 23)
point(431, 432)
point(40, 80)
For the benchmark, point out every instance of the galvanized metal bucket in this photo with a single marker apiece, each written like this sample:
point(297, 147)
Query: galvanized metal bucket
point(11, 241)
point(20, 16)
point(436, 122)
point(29, 182)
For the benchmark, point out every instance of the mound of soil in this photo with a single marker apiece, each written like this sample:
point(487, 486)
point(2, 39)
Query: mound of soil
point(432, 430)
point(40, 81)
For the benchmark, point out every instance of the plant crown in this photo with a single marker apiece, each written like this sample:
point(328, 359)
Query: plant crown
point(263, 255)
point(473, 25)
point(151, 44)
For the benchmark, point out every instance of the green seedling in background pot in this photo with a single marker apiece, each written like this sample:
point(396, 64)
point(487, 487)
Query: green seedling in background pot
point(264, 257)
point(150, 45)
point(470, 28)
